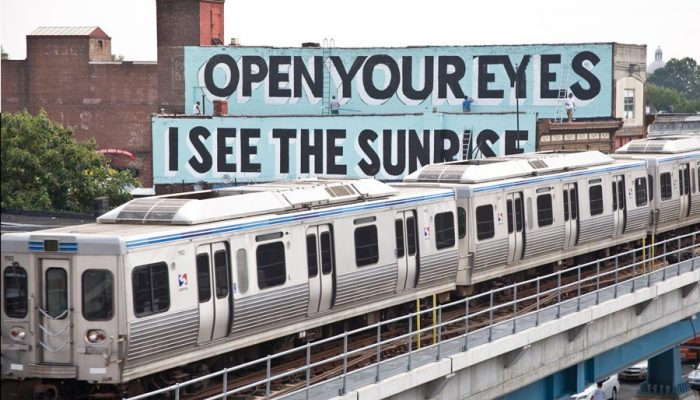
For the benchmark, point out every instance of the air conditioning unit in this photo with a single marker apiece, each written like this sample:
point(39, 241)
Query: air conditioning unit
point(235, 42)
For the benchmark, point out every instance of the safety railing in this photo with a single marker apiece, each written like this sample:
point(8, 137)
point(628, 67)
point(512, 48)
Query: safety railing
point(400, 344)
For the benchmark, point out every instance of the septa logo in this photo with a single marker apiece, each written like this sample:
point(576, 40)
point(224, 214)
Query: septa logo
point(182, 280)
point(426, 232)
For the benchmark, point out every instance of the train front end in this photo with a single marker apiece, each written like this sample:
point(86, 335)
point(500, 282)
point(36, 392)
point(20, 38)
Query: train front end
point(60, 310)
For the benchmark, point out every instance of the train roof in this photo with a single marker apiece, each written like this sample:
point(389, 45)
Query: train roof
point(498, 169)
point(658, 145)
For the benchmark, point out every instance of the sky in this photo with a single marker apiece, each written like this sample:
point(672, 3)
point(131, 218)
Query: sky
point(671, 24)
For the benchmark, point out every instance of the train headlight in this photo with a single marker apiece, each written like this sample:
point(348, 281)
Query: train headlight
point(95, 336)
point(17, 333)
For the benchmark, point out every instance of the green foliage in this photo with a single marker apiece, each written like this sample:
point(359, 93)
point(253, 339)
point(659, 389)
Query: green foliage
point(3, 54)
point(117, 57)
point(43, 168)
point(675, 87)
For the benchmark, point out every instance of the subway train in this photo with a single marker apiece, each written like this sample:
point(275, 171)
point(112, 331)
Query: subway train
point(178, 280)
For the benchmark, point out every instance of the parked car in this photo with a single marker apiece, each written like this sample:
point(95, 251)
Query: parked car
point(694, 378)
point(637, 372)
point(611, 386)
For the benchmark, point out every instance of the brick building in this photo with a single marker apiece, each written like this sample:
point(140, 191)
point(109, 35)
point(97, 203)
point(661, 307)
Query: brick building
point(69, 72)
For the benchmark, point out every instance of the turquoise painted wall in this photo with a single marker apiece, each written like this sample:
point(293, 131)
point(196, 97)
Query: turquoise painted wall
point(250, 149)
point(287, 81)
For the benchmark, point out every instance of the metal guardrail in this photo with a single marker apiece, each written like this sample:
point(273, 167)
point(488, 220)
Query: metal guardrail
point(589, 292)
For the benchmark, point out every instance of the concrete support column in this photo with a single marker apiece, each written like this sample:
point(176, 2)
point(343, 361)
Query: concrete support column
point(664, 377)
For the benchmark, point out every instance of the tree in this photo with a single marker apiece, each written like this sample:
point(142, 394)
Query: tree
point(44, 168)
point(3, 54)
point(680, 75)
point(117, 57)
point(669, 100)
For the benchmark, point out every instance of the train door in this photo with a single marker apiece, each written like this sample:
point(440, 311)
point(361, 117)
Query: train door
point(619, 205)
point(516, 226)
point(320, 252)
point(55, 319)
point(213, 284)
point(570, 196)
point(406, 250)
point(684, 185)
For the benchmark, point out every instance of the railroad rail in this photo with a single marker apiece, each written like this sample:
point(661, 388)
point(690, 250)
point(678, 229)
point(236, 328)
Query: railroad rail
point(432, 333)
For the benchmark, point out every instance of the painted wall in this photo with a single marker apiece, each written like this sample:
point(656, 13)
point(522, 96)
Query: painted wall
point(249, 149)
point(286, 81)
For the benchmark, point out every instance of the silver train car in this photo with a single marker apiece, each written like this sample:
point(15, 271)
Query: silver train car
point(163, 282)
point(172, 280)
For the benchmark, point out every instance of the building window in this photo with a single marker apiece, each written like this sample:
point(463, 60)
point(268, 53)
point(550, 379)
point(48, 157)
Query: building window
point(629, 103)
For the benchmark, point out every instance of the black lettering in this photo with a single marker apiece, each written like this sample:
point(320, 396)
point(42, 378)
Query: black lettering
point(222, 150)
point(588, 76)
point(250, 77)
point(513, 140)
point(547, 77)
point(486, 77)
point(309, 150)
point(418, 150)
point(347, 77)
point(198, 135)
point(284, 135)
point(486, 136)
point(301, 72)
point(451, 80)
point(400, 166)
point(368, 73)
point(518, 75)
point(172, 149)
point(365, 140)
point(248, 151)
point(407, 78)
point(277, 77)
point(333, 151)
point(442, 153)
point(227, 90)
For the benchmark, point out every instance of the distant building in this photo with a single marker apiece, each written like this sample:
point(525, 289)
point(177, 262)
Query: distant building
point(658, 61)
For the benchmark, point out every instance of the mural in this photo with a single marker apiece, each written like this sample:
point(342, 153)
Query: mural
point(285, 81)
point(227, 150)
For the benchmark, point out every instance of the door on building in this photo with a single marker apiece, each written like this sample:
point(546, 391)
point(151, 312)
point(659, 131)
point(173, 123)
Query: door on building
point(619, 205)
point(214, 287)
point(321, 266)
point(406, 249)
point(516, 226)
point(570, 196)
point(55, 316)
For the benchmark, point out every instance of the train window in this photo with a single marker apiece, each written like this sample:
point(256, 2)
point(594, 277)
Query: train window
point(444, 230)
point(509, 215)
point(326, 253)
point(400, 250)
point(272, 270)
point(595, 194)
point(544, 210)
point(311, 255)
point(98, 295)
point(566, 205)
point(411, 234)
point(242, 267)
point(461, 222)
point(665, 183)
point(684, 177)
point(203, 278)
point(56, 292)
point(366, 246)
point(518, 214)
point(614, 195)
point(640, 191)
point(484, 222)
point(15, 291)
point(150, 289)
point(221, 273)
point(651, 187)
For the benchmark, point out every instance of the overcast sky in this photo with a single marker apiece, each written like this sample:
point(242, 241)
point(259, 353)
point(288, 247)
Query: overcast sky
point(672, 24)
